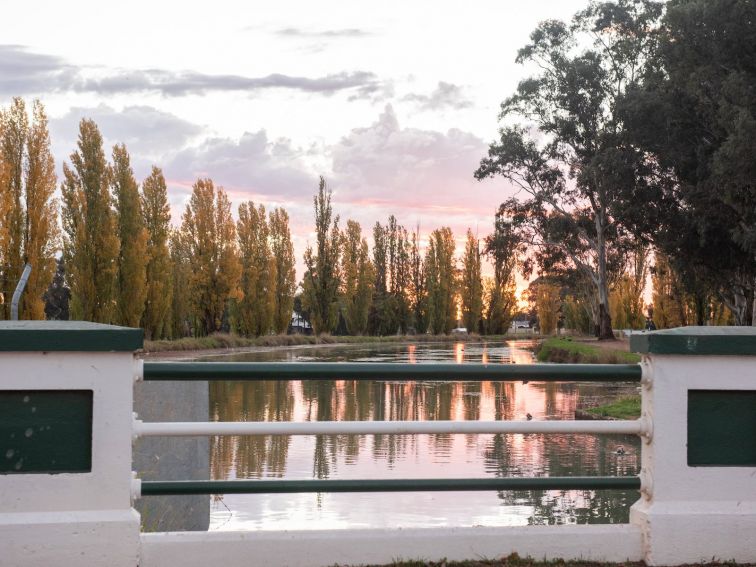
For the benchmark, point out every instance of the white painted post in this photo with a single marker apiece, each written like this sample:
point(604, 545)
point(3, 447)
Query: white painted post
point(698, 499)
point(66, 499)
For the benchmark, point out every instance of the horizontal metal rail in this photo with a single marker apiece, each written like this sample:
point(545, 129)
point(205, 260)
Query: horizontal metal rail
point(389, 371)
point(154, 488)
point(149, 429)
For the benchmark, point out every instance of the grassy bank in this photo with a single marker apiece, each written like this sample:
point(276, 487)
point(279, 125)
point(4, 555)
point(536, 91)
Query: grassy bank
point(564, 349)
point(225, 341)
point(512, 561)
point(515, 561)
point(568, 350)
point(623, 408)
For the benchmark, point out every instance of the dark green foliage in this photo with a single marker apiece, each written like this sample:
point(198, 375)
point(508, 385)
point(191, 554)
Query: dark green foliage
point(58, 295)
point(693, 115)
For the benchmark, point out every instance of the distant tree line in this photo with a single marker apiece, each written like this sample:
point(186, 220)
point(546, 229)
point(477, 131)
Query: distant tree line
point(117, 259)
point(636, 139)
point(399, 288)
point(107, 252)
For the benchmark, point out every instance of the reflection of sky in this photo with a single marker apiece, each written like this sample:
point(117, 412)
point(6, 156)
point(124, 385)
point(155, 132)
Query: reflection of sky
point(420, 456)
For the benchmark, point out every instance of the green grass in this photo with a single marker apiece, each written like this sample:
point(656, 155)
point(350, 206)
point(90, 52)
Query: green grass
point(564, 349)
point(226, 340)
point(515, 560)
point(623, 408)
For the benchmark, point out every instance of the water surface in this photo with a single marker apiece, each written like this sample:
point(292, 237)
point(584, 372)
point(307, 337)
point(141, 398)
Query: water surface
point(407, 456)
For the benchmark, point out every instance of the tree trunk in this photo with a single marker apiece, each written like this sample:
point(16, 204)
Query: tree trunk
point(605, 319)
point(701, 302)
point(605, 324)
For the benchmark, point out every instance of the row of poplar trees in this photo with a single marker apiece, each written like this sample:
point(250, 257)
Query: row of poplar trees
point(118, 258)
point(120, 261)
point(399, 289)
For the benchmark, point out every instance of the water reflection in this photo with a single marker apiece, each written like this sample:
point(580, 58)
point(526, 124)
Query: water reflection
point(419, 456)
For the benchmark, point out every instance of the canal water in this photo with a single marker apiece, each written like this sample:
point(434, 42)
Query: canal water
point(387, 456)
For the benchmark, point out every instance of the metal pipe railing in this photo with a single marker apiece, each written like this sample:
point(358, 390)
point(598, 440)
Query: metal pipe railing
point(389, 371)
point(173, 429)
point(183, 487)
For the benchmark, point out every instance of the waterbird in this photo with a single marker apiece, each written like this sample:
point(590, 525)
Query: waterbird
point(620, 450)
point(528, 416)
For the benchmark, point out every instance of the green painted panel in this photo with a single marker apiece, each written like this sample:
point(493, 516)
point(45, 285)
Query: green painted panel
point(697, 341)
point(77, 336)
point(721, 428)
point(158, 487)
point(388, 371)
point(45, 431)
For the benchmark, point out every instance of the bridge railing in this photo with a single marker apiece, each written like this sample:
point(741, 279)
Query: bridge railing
point(67, 427)
point(253, 371)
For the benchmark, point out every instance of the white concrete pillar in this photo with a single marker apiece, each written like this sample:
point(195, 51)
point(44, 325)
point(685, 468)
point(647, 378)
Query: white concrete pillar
point(65, 444)
point(698, 499)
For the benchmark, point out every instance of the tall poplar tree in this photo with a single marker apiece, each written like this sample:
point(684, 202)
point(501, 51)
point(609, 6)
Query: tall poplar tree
point(321, 281)
point(417, 287)
point(182, 321)
point(132, 258)
point(285, 284)
point(15, 126)
point(440, 273)
point(156, 214)
point(471, 285)
point(258, 272)
point(357, 279)
point(383, 315)
point(399, 270)
point(209, 235)
point(90, 244)
point(28, 212)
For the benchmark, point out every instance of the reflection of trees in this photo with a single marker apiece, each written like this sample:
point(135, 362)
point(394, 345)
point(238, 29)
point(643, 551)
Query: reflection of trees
point(251, 456)
point(505, 455)
point(566, 455)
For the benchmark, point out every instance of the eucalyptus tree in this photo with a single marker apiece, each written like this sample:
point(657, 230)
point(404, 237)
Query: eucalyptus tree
point(561, 139)
point(693, 119)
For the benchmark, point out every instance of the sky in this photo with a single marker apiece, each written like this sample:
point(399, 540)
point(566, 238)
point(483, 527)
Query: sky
point(394, 103)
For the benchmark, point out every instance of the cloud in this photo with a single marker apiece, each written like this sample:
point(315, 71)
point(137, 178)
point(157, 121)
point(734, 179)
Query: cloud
point(308, 34)
point(446, 95)
point(416, 174)
point(24, 72)
point(248, 167)
point(145, 130)
point(170, 83)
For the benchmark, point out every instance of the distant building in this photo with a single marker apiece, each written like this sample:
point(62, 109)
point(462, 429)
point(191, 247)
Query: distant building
point(520, 326)
point(299, 325)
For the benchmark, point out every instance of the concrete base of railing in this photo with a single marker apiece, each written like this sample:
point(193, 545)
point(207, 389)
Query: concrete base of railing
point(694, 532)
point(85, 539)
point(383, 546)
